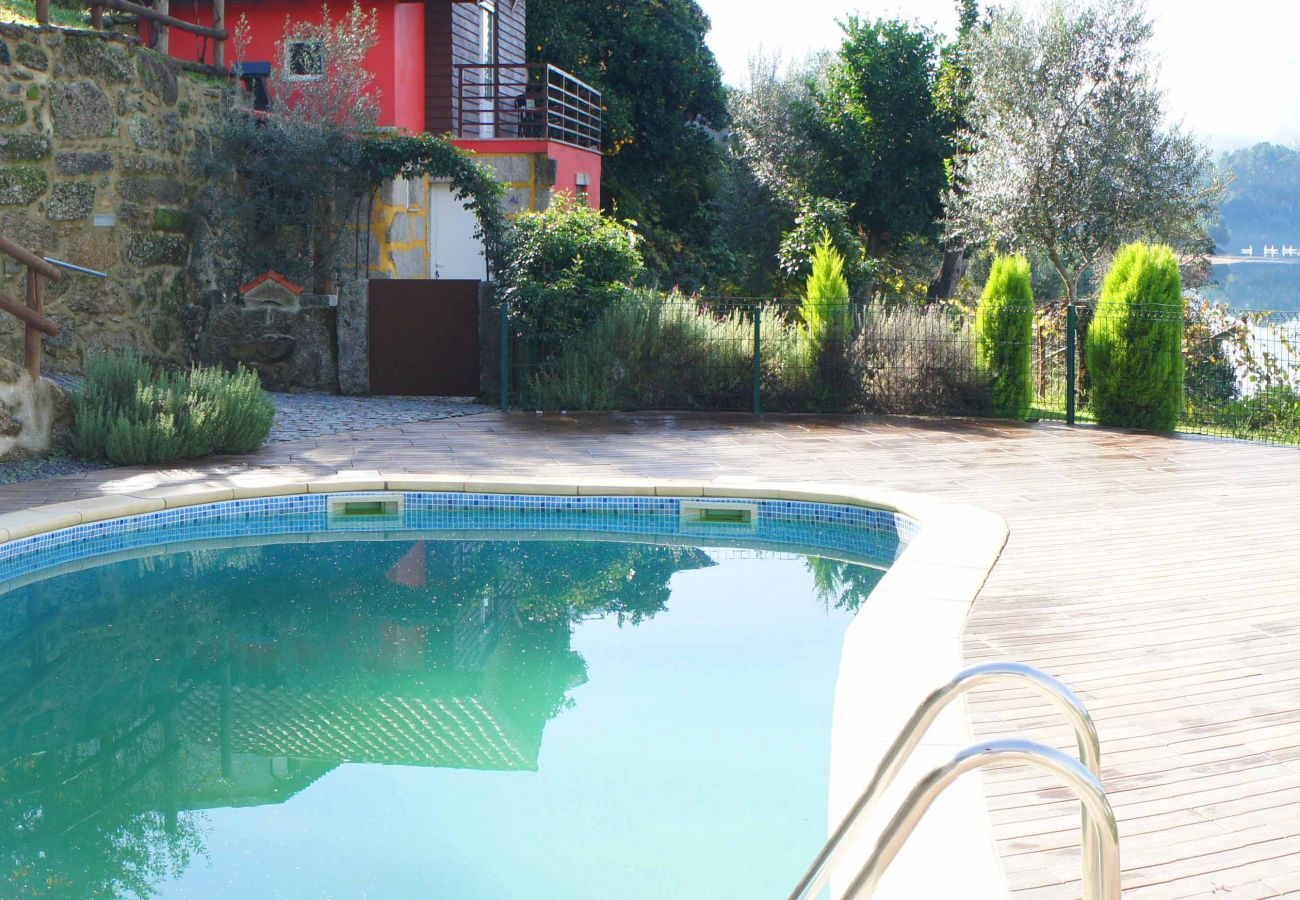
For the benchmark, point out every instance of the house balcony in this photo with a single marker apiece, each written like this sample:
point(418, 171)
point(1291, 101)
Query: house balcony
point(536, 102)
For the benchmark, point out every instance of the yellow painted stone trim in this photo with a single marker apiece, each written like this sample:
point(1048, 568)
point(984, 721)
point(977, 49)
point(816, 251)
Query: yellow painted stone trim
point(382, 214)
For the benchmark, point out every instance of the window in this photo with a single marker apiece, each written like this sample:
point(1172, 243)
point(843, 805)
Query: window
point(487, 48)
point(304, 59)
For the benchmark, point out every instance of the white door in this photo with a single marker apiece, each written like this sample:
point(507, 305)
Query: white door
point(454, 251)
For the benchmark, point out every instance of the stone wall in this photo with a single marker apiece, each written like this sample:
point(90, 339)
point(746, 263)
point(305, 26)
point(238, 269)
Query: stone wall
point(93, 126)
point(290, 349)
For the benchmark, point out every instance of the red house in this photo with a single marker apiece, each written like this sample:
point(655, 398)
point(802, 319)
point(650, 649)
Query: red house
point(456, 67)
point(453, 67)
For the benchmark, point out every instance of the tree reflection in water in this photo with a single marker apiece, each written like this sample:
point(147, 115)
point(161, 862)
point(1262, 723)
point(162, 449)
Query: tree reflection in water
point(135, 694)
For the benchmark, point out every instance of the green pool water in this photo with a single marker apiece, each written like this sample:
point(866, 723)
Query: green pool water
point(421, 718)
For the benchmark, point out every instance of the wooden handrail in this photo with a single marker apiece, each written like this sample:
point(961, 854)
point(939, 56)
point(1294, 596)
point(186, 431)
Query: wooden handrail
point(29, 259)
point(29, 317)
point(32, 313)
point(145, 12)
point(32, 337)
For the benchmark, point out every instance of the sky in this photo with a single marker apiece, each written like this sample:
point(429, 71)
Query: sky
point(1230, 70)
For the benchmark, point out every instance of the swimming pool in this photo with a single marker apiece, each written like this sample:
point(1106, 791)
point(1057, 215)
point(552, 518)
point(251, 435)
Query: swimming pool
point(431, 694)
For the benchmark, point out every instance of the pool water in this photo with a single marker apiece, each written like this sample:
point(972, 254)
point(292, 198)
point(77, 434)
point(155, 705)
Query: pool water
point(393, 717)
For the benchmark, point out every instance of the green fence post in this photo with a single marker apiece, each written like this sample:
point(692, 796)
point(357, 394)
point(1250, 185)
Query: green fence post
point(505, 355)
point(758, 360)
point(1071, 354)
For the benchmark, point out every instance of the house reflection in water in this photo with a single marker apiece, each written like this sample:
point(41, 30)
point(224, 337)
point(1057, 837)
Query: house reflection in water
point(136, 692)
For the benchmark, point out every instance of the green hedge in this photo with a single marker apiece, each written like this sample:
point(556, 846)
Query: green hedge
point(567, 265)
point(1134, 344)
point(1004, 330)
point(129, 414)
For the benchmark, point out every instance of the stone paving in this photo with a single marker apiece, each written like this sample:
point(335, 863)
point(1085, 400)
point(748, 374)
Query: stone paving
point(304, 416)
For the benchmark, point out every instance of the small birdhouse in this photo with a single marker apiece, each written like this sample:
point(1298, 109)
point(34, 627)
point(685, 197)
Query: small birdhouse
point(271, 290)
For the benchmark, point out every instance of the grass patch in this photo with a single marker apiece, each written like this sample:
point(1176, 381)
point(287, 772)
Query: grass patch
point(23, 12)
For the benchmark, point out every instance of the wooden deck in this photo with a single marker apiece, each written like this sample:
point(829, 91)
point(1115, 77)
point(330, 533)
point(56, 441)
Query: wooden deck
point(1159, 577)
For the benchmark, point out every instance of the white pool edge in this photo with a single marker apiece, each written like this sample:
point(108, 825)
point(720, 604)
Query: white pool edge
point(907, 637)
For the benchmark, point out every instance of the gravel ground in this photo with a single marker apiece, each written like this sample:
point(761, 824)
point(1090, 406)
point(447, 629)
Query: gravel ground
point(305, 416)
point(46, 465)
point(297, 417)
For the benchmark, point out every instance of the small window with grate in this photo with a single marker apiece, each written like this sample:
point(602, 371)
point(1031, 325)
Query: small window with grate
point(304, 60)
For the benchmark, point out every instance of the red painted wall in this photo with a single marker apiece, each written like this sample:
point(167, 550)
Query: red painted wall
point(397, 61)
point(569, 162)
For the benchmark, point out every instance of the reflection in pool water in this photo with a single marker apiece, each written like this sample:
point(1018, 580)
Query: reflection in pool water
point(420, 718)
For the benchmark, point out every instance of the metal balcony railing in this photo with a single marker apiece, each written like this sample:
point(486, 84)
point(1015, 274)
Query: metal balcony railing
point(535, 101)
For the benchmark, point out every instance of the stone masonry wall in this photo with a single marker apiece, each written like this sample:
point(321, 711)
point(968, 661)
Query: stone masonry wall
point(91, 124)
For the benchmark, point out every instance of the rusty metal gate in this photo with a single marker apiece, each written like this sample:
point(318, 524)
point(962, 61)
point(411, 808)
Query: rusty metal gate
point(424, 337)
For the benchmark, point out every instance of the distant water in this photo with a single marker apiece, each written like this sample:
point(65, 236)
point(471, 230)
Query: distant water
point(1267, 286)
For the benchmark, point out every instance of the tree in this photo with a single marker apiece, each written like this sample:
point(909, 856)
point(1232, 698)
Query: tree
point(1068, 148)
point(851, 142)
point(663, 101)
point(1135, 343)
point(274, 187)
point(1262, 204)
point(567, 264)
point(878, 131)
point(952, 100)
point(769, 119)
point(825, 307)
point(1004, 336)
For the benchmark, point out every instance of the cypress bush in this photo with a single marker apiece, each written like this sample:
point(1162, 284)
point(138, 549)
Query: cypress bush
point(825, 313)
point(1004, 333)
point(1134, 347)
point(825, 308)
point(128, 414)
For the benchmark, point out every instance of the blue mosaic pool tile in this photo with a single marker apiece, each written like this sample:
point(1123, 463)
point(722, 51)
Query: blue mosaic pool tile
point(869, 535)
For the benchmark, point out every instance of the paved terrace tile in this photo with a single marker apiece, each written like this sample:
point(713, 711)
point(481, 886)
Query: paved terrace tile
point(1158, 576)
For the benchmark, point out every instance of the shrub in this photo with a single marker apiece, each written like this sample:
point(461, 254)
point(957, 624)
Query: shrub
point(818, 219)
point(918, 361)
point(825, 314)
point(1004, 334)
point(568, 264)
point(1134, 346)
point(131, 416)
point(825, 308)
point(651, 351)
point(1272, 414)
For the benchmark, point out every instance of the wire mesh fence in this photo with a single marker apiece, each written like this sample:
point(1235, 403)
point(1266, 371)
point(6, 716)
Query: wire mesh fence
point(652, 351)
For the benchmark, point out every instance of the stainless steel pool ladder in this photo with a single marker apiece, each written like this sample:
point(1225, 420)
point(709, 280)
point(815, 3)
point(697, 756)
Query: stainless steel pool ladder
point(1100, 836)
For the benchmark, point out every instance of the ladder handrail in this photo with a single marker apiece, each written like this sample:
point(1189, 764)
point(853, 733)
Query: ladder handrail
point(900, 751)
point(1085, 785)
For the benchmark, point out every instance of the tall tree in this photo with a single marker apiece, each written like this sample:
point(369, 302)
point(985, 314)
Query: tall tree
point(1068, 149)
point(952, 98)
point(769, 119)
point(879, 132)
point(664, 102)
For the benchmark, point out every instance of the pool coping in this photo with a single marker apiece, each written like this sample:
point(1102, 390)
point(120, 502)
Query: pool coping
point(908, 636)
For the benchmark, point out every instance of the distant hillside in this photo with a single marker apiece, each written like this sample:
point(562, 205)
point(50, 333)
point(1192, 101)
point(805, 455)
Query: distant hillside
point(1263, 201)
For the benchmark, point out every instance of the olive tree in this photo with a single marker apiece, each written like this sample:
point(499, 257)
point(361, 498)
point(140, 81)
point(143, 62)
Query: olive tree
point(1068, 148)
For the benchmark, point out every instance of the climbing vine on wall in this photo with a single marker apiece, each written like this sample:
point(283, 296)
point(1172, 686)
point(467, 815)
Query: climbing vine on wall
point(384, 156)
point(281, 183)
